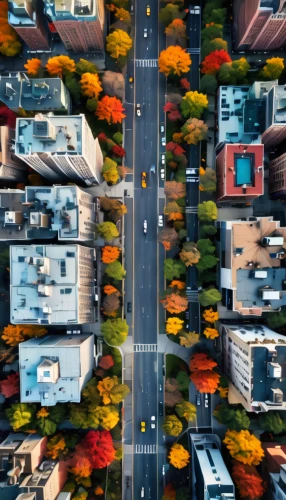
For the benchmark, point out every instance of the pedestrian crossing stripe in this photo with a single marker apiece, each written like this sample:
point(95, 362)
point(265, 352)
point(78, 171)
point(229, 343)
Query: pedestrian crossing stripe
point(146, 63)
point(146, 448)
point(145, 347)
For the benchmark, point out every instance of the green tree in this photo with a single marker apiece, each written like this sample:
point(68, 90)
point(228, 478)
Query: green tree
point(169, 13)
point(273, 68)
point(91, 105)
point(186, 410)
point(21, 415)
point(183, 380)
point(110, 171)
point(193, 104)
point(173, 269)
point(211, 32)
point(90, 392)
point(234, 416)
point(208, 180)
point(207, 230)
point(209, 297)
point(208, 84)
point(74, 87)
point(207, 211)
point(115, 270)
point(114, 331)
point(276, 320)
point(46, 427)
point(118, 138)
point(207, 250)
point(5, 258)
point(84, 66)
point(108, 230)
point(212, 14)
point(233, 72)
point(172, 426)
point(211, 45)
point(272, 422)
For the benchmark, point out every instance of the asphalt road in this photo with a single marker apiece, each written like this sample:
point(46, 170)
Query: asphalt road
point(145, 154)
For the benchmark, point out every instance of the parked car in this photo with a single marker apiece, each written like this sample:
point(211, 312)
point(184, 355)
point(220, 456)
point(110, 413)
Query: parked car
point(160, 387)
point(153, 169)
point(138, 109)
point(163, 159)
point(162, 129)
point(163, 141)
point(145, 226)
point(198, 399)
point(142, 492)
point(143, 179)
point(129, 307)
point(145, 33)
point(143, 426)
point(206, 400)
point(161, 409)
point(161, 222)
point(162, 173)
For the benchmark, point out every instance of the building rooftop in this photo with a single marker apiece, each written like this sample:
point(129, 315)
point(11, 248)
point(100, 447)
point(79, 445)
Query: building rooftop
point(17, 90)
point(40, 476)
point(49, 134)
point(21, 13)
point(67, 8)
point(276, 106)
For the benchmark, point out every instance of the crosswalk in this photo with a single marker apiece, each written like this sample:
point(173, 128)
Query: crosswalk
point(191, 210)
point(192, 295)
point(145, 347)
point(146, 448)
point(146, 63)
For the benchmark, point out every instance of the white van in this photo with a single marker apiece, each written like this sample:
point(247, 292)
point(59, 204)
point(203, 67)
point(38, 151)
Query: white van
point(142, 492)
point(273, 241)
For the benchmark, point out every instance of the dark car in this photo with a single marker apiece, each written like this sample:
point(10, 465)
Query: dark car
point(129, 307)
point(161, 409)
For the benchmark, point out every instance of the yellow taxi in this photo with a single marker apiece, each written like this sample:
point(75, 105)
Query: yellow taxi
point(143, 427)
point(144, 180)
point(148, 10)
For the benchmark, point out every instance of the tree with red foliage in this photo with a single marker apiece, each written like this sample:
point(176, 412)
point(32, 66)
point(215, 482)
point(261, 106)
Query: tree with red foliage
point(98, 448)
point(7, 117)
point(106, 362)
point(173, 111)
point(10, 386)
point(174, 148)
point(118, 151)
point(185, 84)
point(201, 361)
point(102, 138)
point(247, 480)
point(169, 492)
point(212, 63)
point(205, 381)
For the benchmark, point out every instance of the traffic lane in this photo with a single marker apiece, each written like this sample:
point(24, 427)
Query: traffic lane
point(145, 467)
point(204, 414)
point(151, 24)
point(194, 317)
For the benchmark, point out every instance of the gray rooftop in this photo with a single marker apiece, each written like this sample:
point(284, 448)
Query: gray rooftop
point(248, 287)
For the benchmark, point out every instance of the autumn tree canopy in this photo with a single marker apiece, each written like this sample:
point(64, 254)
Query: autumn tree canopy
point(114, 331)
point(10, 386)
point(33, 66)
point(201, 361)
point(213, 61)
point(110, 109)
point(98, 448)
point(247, 480)
point(90, 85)
point(179, 457)
point(172, 426)
point(9, 42)
point(174, 325)
point(20, 415)
point(244, 447)
point(60, 66)
point(186, 410)
point(118, 43)
point(273, 68)
point(194, 131)
point(207, 211)
point(168, 237)
point(177, 30)
point(205, 381)
point(193, 104)
point(110, 254)
point(15, 334)
point(175, 303)
point(207, 179)
point(189, 254)
point(112, 391)
point(175, 190)
point(174, 60)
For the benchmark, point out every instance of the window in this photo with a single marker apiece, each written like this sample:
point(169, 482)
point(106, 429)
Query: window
point(21, 259)
point(68, 290)
point(46, 373)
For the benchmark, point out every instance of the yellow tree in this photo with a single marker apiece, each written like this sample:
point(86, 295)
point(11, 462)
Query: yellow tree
point(273, 68)
point(118, 43)
point(14, 334)
point(174, 325)
point(211, 333)
point(174, 60)
point(178, 456)
point(90, 85)
point(189, 254)
point(123, 15)
point(33, 66)
point(188, 339)
point(193, 104)
point(111, 390)
point(244, 447)
point(60, 65)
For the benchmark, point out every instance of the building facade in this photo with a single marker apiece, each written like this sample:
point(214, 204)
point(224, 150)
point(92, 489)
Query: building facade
point(253, 361)
point(52, 285)
point(240, 172)
point(79, 23)
point(28, 20)
point(277, 176)
point(65, 212)
point(55, 369)
point(260, 24)
point(60, 148)
point(210, 476)
point(11, 168)
point(252, 276)
point(274, 470)
point(275, 116)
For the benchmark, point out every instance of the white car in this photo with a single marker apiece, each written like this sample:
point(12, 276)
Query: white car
point(145, 226)
point(163, 470)
point(153, 425)
point(162, 173)
point(163, 159)
point(138, 109)
point(163, 140)
point(142, 492)
point(145, 33)
point(206, 401)
point(161, 223)
point(162, 129)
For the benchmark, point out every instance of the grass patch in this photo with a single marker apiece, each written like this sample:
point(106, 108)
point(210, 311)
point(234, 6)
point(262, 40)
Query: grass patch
point(172, 365)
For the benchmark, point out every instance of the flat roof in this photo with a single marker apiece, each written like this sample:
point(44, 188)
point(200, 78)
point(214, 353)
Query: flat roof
point(249, 333)
point(248, 288)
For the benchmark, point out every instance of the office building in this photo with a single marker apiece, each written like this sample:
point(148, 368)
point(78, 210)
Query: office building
point(253, 361)
point(252, 276)
point(275, 117)
point(52, 285)
point(11, 168)
point(277, 176)
point(45, 483)
point(18, 91)
point(28, 20)
point(79, 23)
point(211, 479)
point(65, 212)
point(260, 24)
point(55, 369)
point(274, 470)
point(240, 172)
point(60, 148)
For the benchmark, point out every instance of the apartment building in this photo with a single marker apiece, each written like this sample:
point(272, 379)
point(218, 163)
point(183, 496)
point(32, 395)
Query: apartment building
point(52, 285)
point(253, 361)
point(60, 148)
point(65, 212)
point(210, 476)
point(277, 176)
point(275, 117)
point(274, 470)
point(79, 23)
point(18, 91)
point(45, 483)
point(252, 276)
point(28, 20)
point(55, 369)
point(240, 172)
point(11, 168)
point(260, 24)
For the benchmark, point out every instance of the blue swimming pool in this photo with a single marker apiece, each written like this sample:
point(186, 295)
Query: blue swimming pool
point(243, 171)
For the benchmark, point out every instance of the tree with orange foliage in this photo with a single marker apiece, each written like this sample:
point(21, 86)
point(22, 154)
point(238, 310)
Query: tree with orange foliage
point(178, 456)
point(247, 480)
point(211, 333)
point(33, 66)
point(56, 447)
point(194, 131)
point(98, 448)
point(177, 29)
point(173, 211)
point(90, 85)
point(205, 381)
point(189, 254)
point(168, 237)
point(180, 285)
point(212, 62)
point(60, 66)
point(106, 362)
point(14, 334)
point(169, 492)
point(244, 447)
point(98, 491)
point(185, 84)
point(210, 316)
point(110, 109)
point(201, 361)
point(174, 60)
point(112, 391)
point(81, 469)
point(175, 303)
point(123, 15)
point(110, 254)
point(109, 290)
point(175, 190)
point(10, 386)
point(9, 42)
